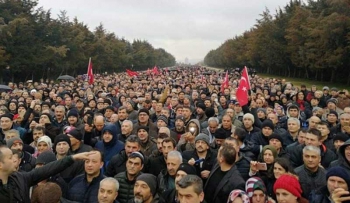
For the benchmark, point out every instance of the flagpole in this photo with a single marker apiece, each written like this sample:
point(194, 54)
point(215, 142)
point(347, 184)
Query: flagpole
point(246, 69)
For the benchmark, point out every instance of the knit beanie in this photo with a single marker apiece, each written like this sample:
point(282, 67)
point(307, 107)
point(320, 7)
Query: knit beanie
point(203, 137)
point(45, 158)
point(62, 138)
point(12, 141)
point(187, 168)
point(289, 183)
point(333, 112)
point(163, 118)
point(45, 139)
point(261, 109)
point(341, 136)
point(249, 116)
point(340, 172)
point(132, 103)
point(271, 148)
point(209, 112)
point(150, 180)
point(76, 134)
point(48, 115)
point(74, 113)
point(267, 123)
point(180, 118)
point(201, 105)
point(333, 100)
point(7, 115)
point(144, 111)
point(276, 136)
point(146, 128)
point(220, 133)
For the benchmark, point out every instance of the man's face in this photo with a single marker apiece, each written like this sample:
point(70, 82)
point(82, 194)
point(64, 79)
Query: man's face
point(323, 129)
point(143, 135)
point(143, 117)
point(273, 118)
point(173, 164)
point(108, 113)
point(160, 144)
point(166, 148)
point(201, 146)
point(311, 159)
point(8, 164)
point(179, 175)
point(93, 164)
point(293, 127)
point(161, 123)
point(345, 120)
point(335, 182)
point(122, 114)
point(179, 124)
point(62, 148)
point(248, 123)
point(131, 147)
point(226, 122)
point(68, 101)
point(126, 128)
point(311, 139)
point(59, 113)
point(213, 126)
point(332, 118)
point(186, 113)
point(114, 118)
point(17, 145)
point(6, 123)
point(107, 136)
point(142, 192)
point(293, 113)
point(313, 121)
point(267, 131)
point(347, 152)
point(219, 142)
point(99, 123)
point(107, 192)
point(134, 166)
point(276, 143)
point(188, 195)
point(10, 135)
point(338, 143)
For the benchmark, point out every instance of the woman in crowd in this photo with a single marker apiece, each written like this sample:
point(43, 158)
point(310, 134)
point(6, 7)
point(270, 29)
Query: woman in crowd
point(288, 190)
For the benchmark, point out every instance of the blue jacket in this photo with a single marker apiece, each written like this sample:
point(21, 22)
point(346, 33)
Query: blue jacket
point(82, 191)
point(110, 148)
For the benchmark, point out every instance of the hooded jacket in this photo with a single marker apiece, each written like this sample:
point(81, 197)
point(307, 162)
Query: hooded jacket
point(342, 161)
point(182, 144)
point(112, 147)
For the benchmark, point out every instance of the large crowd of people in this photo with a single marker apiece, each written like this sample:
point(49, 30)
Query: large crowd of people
point(173, 137)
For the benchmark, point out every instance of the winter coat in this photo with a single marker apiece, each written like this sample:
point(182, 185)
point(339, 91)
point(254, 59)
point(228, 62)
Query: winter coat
point(117, 164)
point(309, 180)
point(243, 166)
point(163, 183)
point(231, 181)
point(19, 183)
point(319, 195)
point(126, 187)
point(82, 191)
point(156, 165)
point(27, 162)
point(342, 161)
point(153, 130)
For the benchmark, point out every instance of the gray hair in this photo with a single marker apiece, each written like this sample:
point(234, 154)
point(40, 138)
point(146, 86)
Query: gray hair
point(166, 130)
point(128, 121)
point(192, 180)
point(175, 154)
point(14, 131)
point(313, 149)
point(213, 119)
point(295, 120)
point(112, 180)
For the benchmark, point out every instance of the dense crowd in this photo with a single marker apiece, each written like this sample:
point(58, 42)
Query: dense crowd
point(176, 136)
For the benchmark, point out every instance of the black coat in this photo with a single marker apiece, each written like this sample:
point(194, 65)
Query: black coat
point(231, 181)
point(156, 165)
point(20, 182)
point(309, 181)
point(117, 164)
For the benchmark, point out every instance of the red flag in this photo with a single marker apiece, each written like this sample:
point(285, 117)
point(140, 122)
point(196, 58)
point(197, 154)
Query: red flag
point(89, 73)
point(245, 74)
point(131, 73)
point(155, 70)
point(242, 90)
point(224, 84)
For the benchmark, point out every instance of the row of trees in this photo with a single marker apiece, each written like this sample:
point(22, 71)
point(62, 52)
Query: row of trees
point(309, 40)
point(35, 44)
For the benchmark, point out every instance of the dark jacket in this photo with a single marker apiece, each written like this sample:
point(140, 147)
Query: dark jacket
point(259, 141)
point(82, 191)
point(247, 150)
point(231, 181)
point(168, 196)
point(319, 195)
point(309, 180)
point(296, 156)
point(82, 148)
point(342, 161)
point(155, 200)
point(27, 162)
point(243, 166)
point(126, 187)
point(156, 165)
point(73, 171)
point(91, 138)
point(149, 146)
point(208, 163)
point(163, 181)
point(152, 128)
point(117, 164)
point(20, 182)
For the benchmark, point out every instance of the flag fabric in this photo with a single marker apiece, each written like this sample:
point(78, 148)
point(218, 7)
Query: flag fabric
point(245, 74)
point(224, 84)
point(242, 90)
point(90, 75)
point(155, 70)
point(131, 73)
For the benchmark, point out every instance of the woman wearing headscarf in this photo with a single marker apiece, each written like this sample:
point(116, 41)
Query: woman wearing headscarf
point(238, 196)
point(256, 191)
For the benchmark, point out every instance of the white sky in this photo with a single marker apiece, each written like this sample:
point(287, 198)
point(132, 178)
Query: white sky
point(185, 28)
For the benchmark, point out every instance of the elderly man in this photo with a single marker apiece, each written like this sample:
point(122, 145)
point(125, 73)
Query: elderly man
point(190, 189)
point(108, 191)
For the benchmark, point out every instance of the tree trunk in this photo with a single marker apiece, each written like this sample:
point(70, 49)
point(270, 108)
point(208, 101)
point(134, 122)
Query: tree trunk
point(333, 74)
point(306, 73)
point(316, 76)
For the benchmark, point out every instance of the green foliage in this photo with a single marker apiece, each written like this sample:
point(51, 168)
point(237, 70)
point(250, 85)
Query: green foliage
point(309, 40)
point(35, 44)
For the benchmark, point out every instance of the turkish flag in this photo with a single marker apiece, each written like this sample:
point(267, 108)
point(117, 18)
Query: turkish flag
point(131, 73)
point(155, 70)
point(224, 84)
point(89, 73)
point(242, 90)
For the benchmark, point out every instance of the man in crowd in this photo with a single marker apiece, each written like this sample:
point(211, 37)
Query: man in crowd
point(166, 178)
point(145, 189)
point(190, 189)
point(108, 191)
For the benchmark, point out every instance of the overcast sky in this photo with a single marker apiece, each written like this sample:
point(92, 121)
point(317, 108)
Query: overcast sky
point(185, 28)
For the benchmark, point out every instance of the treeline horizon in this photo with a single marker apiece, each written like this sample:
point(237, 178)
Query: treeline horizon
point(306, 40)
point(34, 44)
